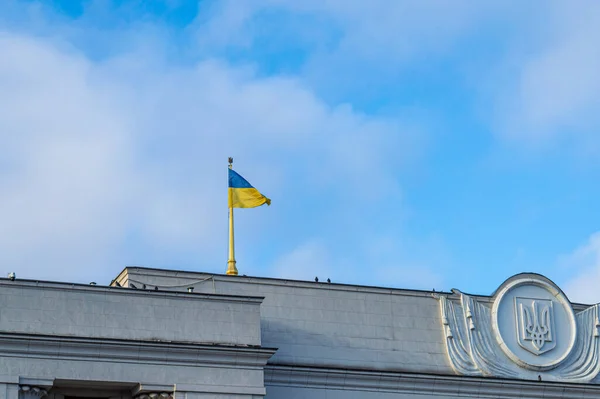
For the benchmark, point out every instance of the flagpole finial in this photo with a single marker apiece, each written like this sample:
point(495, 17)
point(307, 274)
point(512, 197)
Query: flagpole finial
point(230, 162)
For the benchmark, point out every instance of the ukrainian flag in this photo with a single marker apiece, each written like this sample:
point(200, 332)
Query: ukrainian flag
point(242, 194)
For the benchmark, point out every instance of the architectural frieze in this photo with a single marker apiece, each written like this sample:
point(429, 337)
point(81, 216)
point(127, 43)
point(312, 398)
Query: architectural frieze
point(529, 331)
point(155, 395)
point(31, 392)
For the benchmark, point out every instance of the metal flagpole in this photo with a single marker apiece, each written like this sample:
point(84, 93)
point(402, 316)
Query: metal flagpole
point(231, 269)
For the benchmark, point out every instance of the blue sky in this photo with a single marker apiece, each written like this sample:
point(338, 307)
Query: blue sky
point(413, 144)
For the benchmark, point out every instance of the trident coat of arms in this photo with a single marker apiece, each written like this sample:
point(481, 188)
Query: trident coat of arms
point(528, 330)
point(535, 325)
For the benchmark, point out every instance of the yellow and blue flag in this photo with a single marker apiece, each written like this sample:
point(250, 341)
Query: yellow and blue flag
point(242, 194)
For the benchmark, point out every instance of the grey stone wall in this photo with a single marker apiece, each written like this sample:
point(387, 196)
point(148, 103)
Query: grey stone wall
point(9, 391)
point(61, 337)
point(122, 313)
point(351, 342)
point(331, 325)
point(191, 379)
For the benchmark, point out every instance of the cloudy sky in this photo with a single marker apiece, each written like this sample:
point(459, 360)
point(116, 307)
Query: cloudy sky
point(415, 144)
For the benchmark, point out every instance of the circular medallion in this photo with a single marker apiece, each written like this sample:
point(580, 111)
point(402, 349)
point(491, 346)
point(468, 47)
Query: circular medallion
point(533, 322)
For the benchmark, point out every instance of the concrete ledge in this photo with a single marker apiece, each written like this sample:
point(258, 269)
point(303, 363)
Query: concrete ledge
point(165, 353)
point(423, 384)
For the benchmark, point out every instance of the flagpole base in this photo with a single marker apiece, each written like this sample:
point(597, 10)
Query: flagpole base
point(231, 269)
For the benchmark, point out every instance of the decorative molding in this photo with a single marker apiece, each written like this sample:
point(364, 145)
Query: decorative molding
point(155, 395)
point(486, 339)
point(167, 353)
point(44, 383)
point(32, 392)
point(143, 389)
point(422, 384)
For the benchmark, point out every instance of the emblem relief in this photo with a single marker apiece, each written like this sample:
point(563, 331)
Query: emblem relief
point(529, 329)
point(535, 325)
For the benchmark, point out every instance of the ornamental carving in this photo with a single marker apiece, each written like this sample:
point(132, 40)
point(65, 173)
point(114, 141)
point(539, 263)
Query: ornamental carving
point(528, 331)
point(155, 395)
point(535, 325)
point(27, 391)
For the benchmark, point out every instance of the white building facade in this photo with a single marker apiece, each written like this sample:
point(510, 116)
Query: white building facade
point(173, 334)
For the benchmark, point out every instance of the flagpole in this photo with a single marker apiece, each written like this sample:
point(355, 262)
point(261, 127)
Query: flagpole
point(231, 269)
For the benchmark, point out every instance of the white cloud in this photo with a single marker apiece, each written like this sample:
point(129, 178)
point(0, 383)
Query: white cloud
point(541, 80)
point(114, 161)
point(345, 44)
point(372, 29)
point(64, 150)
point(404, 262)
point(379, 260)
point(546, 90)
point(305, 262)
point(584, 266)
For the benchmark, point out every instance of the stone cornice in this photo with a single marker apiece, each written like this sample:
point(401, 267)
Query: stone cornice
point(336, 286)
point(475, 387)
point(172, 353)
point(49, 285)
